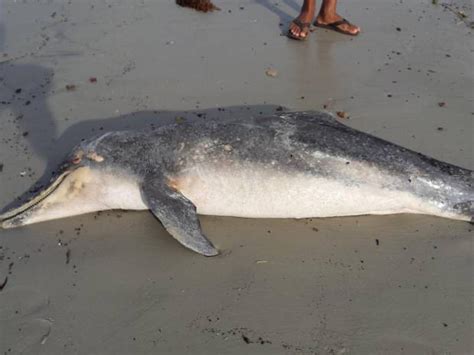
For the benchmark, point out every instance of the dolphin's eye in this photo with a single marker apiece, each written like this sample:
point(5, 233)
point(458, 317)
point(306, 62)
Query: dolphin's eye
point(77, 157)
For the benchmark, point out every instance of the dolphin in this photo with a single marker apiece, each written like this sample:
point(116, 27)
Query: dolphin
point(290, 165)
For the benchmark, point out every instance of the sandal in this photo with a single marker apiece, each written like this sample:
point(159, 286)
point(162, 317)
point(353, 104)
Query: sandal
point(303, 26)
point(335, 26)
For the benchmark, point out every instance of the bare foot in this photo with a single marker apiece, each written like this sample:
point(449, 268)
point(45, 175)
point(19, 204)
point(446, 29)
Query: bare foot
point(299, 27)
point(340, 24)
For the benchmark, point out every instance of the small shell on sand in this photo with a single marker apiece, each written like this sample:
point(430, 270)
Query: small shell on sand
point(342, 114)
point(272, 72)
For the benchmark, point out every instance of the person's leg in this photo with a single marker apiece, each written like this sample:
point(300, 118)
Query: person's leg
point(328, 15)
point(305, 17)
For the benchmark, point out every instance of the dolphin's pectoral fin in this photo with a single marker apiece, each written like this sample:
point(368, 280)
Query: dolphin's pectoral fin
point(178, 216)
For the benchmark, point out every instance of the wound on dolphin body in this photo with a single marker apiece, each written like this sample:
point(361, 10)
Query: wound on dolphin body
point(95, 157)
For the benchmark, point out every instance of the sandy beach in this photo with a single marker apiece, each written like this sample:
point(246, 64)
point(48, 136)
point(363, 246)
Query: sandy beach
point(117, 283)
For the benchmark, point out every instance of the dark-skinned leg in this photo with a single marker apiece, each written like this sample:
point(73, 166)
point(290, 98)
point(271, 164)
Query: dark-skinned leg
point(328, 15)
point(306, 16)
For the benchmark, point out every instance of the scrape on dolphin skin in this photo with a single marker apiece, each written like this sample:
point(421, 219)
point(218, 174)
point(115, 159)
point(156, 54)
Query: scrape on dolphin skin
point(296, 165)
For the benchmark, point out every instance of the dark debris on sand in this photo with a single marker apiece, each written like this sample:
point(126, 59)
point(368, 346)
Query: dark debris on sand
point(3, 284)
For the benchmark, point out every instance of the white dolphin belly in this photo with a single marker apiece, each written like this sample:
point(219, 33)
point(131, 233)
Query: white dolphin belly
point(259, 193)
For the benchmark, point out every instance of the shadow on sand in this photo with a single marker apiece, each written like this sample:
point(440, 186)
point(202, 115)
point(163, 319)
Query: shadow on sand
point(285, 18)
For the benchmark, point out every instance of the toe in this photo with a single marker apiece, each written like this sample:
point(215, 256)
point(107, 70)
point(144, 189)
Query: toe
point(292, 28)
point(350, 28)
point(295, 31)
point(299, 31)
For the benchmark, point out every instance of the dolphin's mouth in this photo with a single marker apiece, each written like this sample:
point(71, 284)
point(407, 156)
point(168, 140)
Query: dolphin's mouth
point(7, 217)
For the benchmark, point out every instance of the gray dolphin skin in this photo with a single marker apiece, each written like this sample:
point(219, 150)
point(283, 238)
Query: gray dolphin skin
point(291, 165)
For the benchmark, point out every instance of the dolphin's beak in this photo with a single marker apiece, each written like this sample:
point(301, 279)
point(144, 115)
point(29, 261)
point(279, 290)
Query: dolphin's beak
point(21, 215)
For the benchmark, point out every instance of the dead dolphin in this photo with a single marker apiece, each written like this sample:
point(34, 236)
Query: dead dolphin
point(295, 165)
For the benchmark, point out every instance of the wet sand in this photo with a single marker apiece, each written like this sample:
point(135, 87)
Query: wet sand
point(116, 283)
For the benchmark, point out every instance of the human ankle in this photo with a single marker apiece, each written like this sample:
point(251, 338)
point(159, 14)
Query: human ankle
point(327, 15)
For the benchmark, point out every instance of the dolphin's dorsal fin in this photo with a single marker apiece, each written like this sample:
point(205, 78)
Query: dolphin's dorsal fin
point(177, 214)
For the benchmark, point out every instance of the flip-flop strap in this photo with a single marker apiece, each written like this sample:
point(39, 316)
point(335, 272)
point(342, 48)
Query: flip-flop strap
point(300, 24)
point(338, 23)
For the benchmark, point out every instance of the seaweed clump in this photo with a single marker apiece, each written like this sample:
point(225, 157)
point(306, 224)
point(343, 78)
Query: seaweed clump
point(199, 5)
